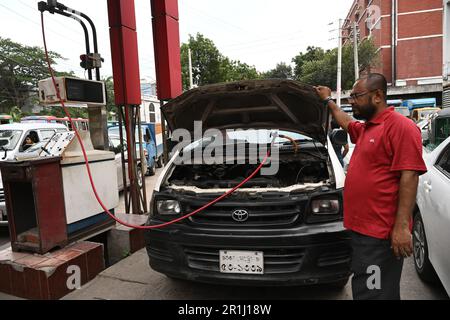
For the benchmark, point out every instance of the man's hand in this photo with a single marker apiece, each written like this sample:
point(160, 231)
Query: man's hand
point(401, 239)
point(340, 116)
point(401, 242)
point(323, 92)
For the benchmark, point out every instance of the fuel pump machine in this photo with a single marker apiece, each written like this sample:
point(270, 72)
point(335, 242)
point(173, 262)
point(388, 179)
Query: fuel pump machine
point(49, 198)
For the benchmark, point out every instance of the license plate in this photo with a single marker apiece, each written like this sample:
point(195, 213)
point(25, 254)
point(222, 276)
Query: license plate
point(244, 262)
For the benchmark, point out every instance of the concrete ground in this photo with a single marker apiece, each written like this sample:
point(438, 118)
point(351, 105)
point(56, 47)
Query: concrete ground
point(132, 279)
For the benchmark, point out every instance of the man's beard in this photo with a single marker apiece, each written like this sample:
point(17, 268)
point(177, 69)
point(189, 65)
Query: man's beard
point(365, 113)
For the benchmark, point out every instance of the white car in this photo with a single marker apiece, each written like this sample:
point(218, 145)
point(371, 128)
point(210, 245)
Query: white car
point(12, 141)
point(431, 233)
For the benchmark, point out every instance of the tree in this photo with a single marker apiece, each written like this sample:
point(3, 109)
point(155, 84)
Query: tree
point(209, 65)
point(241, 71)
point(281, 71)
point(323, 71)
point(312, 54)
point(21, 67)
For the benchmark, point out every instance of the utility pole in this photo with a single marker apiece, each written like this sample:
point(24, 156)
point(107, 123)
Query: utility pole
point(339, 67)
point(191, 80)
point(355, 48)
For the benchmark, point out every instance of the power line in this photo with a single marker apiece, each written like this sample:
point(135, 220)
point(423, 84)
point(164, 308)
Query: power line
point(214, 18)
point(34, 22)
point(56, 21)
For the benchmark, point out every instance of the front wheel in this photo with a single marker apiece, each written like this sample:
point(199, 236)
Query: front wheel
point(422, 263)
point(152, 170)
point(139, 176)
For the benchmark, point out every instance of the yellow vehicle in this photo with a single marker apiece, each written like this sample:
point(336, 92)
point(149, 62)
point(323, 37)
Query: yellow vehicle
point(422, 113)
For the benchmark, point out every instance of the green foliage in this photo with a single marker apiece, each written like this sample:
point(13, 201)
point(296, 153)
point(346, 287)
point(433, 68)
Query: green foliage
point(21, 67)
point(312, 54)
point(281, 71)
point(315, 66)
point(318, 67)
point(209, 65)
point(16, 113)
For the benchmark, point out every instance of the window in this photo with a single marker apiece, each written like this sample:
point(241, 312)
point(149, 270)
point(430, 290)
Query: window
point(444, 162)
point(47, 134)
point(152, 114)
point(9, 138)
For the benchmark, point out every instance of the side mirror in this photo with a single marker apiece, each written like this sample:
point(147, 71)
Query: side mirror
point(339, 137)
point(3, 142)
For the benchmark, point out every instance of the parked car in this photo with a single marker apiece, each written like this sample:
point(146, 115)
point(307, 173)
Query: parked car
point(283, 229)
point(153, 153)
point(424, 126)
point(115, 146)
point(431, 237)
point(13, 141)
point(421, 114)
point(439, 129)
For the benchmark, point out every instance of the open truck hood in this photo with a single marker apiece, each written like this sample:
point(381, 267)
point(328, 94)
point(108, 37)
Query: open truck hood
point(259, 104)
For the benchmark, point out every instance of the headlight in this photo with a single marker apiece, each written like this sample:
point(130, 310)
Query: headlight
point(168, 207)
point(325, 207)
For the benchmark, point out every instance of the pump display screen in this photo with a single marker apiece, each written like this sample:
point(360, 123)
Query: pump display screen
point(84, 91)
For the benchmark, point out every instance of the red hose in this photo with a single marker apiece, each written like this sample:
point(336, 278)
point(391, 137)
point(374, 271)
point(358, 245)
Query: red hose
point(89, 169)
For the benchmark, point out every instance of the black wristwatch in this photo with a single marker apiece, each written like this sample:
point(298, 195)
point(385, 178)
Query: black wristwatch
point(327, 100)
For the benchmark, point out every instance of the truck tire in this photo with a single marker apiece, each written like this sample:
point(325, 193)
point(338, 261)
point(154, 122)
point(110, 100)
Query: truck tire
point(152, 170)
point(159, 162)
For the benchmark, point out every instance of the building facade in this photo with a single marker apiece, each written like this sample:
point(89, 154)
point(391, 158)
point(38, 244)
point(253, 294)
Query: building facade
point(409, 36)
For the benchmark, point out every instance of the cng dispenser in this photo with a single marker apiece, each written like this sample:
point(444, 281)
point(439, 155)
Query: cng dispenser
point(48, 194)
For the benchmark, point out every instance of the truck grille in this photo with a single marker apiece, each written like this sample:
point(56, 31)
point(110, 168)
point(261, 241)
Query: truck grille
point(276, 261)
point(260, 214)
point(2, 195)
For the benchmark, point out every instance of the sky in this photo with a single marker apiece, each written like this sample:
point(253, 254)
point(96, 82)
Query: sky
point(260, 33)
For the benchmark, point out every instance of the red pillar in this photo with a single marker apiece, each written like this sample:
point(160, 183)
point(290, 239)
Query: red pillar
point(124, 52)
point(166, 39)
point(127, 87)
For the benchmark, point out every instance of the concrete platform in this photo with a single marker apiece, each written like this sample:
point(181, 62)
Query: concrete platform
point(124, 241)
point(45, 277)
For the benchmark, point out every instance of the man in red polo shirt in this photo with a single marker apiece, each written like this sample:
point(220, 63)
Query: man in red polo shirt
point(380, 188)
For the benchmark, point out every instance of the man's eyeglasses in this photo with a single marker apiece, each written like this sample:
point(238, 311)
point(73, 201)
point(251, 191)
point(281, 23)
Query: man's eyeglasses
point(355, 96)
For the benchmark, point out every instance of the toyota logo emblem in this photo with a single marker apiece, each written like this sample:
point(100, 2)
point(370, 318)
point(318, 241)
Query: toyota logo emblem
point(240, 215)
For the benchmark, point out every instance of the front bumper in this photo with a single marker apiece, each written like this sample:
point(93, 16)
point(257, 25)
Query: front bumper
point(309, 254)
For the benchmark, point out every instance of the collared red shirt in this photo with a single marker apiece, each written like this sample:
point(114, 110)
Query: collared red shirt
point(385, 146)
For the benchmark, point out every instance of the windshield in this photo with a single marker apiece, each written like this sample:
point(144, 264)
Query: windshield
point(425, 113)
point(36, 147)
point(11, 137)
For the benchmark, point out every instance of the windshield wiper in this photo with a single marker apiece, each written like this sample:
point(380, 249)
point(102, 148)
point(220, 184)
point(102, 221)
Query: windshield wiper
point(6, 152)
point(46, 151)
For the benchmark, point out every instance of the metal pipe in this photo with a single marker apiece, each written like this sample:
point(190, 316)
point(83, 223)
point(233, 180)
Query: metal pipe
point(394, 42)
point(122, 155)
point(164, 135)
point(94, 31)
point(144, 189)
point(355, 48)
point(339, 67)
point(86, 34)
